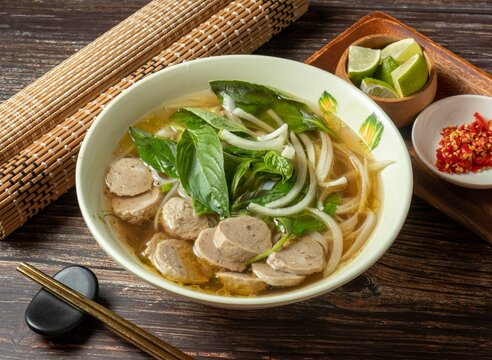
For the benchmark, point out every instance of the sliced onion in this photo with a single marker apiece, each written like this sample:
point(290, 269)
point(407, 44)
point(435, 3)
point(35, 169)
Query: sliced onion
point(291, 210)
point(301, 175)
point(228, 103)
point(322, 240)
point(288, 152)
point(337, 241)
point(166, 132)
point(280, 131)
point(253, 119)
point(308, 144)
point(323, 168)
point(364, 232)
point(275, 117)
point(274, 144)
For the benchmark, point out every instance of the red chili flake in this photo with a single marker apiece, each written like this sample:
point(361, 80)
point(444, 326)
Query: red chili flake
point(465, 148)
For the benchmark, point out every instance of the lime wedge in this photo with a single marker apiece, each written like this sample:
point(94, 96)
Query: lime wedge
point(378, 88)
point(401, 50)
point(383, 72)
point(411, 76)
point(362, 62)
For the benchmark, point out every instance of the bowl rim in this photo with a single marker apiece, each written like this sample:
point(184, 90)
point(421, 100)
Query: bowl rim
point(242, 302)
point(418, 126)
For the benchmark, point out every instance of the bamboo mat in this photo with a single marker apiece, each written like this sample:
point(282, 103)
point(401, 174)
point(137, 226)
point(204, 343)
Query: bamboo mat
point(43, 167)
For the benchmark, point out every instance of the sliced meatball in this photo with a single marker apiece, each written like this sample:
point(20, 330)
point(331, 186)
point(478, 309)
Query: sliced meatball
point(205, 249)
point(129, 177)
point(179, 219)
point(303, 256)
point(137, 209)
point(242, 238)
point(274, 277)
point(241, 284)
point(175, 260)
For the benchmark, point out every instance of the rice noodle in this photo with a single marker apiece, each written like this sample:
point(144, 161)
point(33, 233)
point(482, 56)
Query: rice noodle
point(376, 166)
point(349, 224)
point(274, 144)
point(158, 179)
point(291, 210)
point(275, 117)
point(326, 157)
point(301, 175)
point(337, 183)
point(252, 119)
point(337, 240)
point(330, 187)
point(308, 144)
point(364, 177)
point(364, 231)
point(280, 131)
point(183, 194)
point(348, 206)
point(169, 194)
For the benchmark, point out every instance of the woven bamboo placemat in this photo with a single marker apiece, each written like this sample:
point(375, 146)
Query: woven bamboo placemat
point(41, 105)
point(44, 170)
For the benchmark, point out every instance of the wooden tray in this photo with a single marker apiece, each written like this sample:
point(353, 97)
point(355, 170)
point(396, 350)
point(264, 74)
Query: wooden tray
point(472, 208)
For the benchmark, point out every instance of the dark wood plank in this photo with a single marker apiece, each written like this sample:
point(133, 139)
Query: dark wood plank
point(428, 297)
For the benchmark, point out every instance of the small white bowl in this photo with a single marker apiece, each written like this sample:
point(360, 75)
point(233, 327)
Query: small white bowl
point(298, 79)
point(450, 111)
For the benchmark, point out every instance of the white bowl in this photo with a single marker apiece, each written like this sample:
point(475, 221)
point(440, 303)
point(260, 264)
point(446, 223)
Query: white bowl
point(303, 81)
point(450, 111)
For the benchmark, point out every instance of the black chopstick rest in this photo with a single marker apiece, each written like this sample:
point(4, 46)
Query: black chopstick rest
point(50, 316)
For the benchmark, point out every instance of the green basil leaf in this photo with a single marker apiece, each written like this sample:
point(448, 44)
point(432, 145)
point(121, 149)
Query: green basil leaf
point(193, 117)
point(231, 162)
point(200, 164)
point(261, 196)
point(156, 152)
point(238, 175)
point(299, 224)
point(277, 164)
point(331, 203)
point(291, 227)
point(234, 150)
point(258, 99)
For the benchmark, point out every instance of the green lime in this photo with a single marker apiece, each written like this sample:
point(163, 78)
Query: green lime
point(401, 50)
point(383, 72)
point(378, 88)
point(362, 62)
point(411, 76)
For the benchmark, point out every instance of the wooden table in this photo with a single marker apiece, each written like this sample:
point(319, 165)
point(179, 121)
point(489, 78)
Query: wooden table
point(428, 297)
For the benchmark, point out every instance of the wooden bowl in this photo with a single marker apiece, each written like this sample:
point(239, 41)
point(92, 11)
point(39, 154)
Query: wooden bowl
point(403, 110)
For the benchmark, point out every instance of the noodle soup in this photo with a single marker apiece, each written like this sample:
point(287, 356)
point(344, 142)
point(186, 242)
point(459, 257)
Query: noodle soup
point(244, 190)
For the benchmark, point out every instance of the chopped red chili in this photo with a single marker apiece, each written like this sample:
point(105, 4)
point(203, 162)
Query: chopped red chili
point(465, 148)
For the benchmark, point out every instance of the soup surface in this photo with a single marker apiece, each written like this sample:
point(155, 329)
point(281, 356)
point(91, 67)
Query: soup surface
point(243, 190)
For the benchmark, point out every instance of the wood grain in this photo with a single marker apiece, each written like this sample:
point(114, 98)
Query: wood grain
point(428, 297)
point(472, 208)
